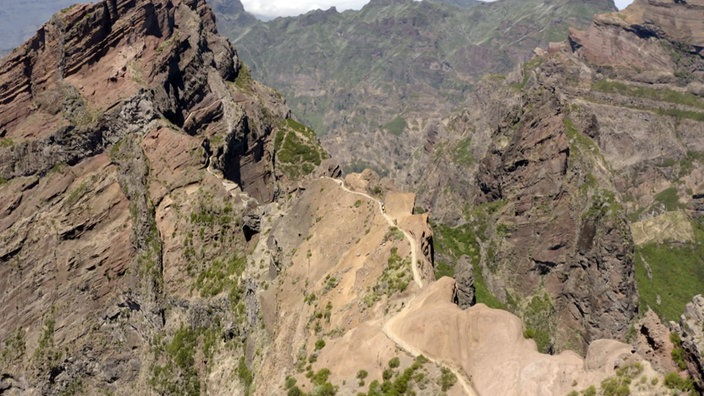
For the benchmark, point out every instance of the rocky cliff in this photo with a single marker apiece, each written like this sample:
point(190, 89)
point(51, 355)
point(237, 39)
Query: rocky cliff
point(159, 234)
point(133, 146)
point(584, 177)
point(692, 332)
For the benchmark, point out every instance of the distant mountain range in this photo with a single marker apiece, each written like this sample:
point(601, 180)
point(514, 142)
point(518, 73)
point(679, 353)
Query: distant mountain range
point(20, 19)
point(392, 71)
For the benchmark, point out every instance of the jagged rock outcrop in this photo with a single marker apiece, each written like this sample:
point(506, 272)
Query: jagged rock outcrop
point(584, 144)
point(633, 37)
point(653, 342)
point(464, 293)
point(71, 71)
point(133, 148)
point(557, 231)
point(692, 334)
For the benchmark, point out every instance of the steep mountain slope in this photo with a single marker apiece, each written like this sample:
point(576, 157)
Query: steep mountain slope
point(132, 148)
point(159, 236)
point(590, 185)
point(376, 83)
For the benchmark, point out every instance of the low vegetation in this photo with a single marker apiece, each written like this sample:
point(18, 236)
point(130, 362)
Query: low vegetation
point(298, 151)
point(175, 370)
point(659, 266)
point(538, 318)
point(220, 275)
point(176, 373)
point(396, 382)
point(319, 380)
point(395, 278)
point(619, 384)
point(244, 79)
point(396, 126)
point(451, 243)
point(659, 94)
point(677, 383)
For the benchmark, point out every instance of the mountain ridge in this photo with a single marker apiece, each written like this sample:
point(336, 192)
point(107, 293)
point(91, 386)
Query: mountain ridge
point(168, 228)
point(391, 72)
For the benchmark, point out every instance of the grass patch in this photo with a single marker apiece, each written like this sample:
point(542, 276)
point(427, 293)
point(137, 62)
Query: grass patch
point(671, 273)
point(394, 234)
point(539, 321)
point(177, 374)
point(220, 275)
point(396, 126)
point(77, 194)
point(669, 199)
point(462, 153)
point(245, 375)
point(450, 244)
point(660, 94)
point(298, 151)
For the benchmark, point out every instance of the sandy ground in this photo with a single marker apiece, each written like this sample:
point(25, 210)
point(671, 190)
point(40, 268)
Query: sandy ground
point(337, 249)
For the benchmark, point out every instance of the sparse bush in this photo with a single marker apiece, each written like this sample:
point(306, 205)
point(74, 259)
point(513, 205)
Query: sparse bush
point(678, 352)
point(447, 379)
point(675, 382)
point(320, 344)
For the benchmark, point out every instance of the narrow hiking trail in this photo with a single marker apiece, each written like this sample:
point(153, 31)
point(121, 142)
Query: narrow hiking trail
point(413, 351)
point(387, 326)
point(392, 223)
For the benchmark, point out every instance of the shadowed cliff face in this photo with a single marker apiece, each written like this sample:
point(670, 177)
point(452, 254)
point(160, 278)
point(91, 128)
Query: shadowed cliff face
point(558, 230)
point(74, 72)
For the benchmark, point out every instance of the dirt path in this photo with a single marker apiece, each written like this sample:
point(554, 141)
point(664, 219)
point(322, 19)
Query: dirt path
point(392, 223)
point(413, 351)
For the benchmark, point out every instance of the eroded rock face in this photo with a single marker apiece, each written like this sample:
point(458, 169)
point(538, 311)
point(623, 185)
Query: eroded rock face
point(634, 38)
point(132, 146)
point(557, 230)
point(464, 293)
point(560, 155)
point(81, 66)
point(692, 334)
point(653, 342)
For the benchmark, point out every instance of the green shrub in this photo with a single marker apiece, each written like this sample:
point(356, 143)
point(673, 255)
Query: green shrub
point(320, 344)
point(675, 382)
point(669, 199)
point(678, 355)
point(616, 386)
point(447, 379)
point(245, 375)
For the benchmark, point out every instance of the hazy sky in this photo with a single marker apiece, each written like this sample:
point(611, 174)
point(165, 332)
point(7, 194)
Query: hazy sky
point(274, 8)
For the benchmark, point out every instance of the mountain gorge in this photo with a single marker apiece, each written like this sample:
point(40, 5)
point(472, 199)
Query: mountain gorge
point(377, 84)
point(168, 227)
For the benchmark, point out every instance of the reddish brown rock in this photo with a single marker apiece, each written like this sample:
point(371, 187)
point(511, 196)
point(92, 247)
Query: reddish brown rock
point(120, 125)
